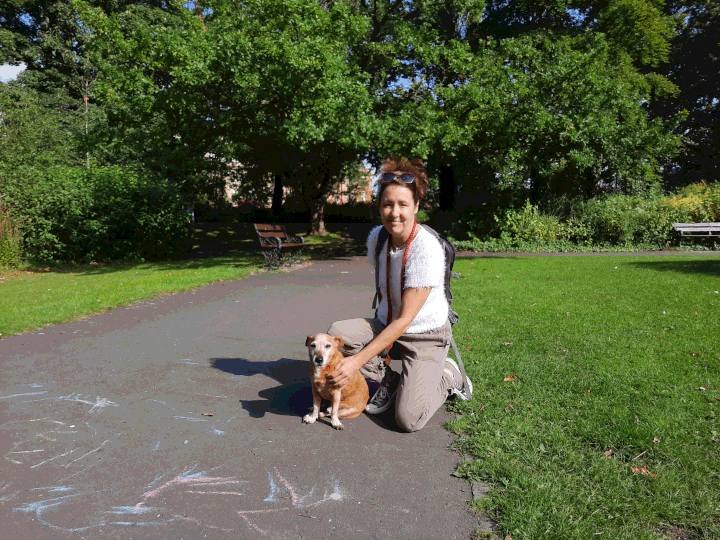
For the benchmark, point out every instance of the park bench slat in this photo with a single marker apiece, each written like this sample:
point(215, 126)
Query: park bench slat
point(275, 242)
point(698, 230)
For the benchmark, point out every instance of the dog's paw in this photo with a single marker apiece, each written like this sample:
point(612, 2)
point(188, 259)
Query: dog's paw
point(308, 419)
point(338, 426)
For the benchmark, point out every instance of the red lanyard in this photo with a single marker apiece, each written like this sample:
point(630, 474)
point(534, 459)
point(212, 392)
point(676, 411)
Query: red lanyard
point(402, 271)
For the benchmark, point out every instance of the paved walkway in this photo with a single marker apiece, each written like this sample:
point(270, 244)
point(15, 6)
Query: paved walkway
point(179, 417)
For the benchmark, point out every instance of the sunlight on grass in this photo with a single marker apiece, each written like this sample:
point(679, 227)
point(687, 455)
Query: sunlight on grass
point(611, 428)
point(34, 299)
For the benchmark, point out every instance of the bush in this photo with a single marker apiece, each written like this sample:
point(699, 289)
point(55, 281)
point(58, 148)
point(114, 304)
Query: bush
point(628, 219)
point(11, 245)
point(82, 215)
point(529, 224)
point(696, 203)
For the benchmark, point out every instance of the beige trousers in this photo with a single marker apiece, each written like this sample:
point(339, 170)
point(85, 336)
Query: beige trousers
point(423, 386)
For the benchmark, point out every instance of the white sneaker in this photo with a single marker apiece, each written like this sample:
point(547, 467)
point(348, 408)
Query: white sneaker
point(384, 396)
point(458, 386)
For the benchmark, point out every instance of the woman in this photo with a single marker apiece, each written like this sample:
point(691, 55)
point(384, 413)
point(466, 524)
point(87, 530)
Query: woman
point(412, 313)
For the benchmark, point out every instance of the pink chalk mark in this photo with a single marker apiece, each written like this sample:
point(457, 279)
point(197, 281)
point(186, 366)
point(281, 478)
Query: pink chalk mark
point(215, 492)
point(252, 525)
point(184, 480)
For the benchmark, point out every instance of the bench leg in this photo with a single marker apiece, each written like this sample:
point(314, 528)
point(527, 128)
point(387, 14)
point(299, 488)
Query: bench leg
point(272, 258)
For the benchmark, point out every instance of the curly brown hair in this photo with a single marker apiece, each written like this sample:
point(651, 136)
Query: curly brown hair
point(414, 167)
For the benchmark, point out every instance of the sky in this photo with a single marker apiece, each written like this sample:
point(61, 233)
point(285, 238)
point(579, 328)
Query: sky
point(8, 72)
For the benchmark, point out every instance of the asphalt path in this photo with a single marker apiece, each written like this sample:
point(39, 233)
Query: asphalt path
point(180, 418)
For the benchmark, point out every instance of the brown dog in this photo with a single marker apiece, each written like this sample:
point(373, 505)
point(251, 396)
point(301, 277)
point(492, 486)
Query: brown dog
point(346, 402)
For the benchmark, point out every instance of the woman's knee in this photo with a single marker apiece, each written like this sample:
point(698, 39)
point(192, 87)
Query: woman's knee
point(410, 420)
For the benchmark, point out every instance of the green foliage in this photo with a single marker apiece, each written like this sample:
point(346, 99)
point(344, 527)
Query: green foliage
point(529, 224)
point(696, 203)
point(607, 223)
point(11, 241)
point(78, 214)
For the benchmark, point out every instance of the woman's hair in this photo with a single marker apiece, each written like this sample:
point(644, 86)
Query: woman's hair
point(414, 167)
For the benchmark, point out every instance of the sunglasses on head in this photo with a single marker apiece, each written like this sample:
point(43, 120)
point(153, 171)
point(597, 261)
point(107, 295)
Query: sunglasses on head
point(388, 177)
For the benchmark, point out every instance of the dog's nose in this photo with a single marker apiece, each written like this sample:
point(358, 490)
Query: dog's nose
point(318, 360)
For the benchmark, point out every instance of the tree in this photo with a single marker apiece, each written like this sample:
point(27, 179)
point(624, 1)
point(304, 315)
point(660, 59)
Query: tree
point(693, 66)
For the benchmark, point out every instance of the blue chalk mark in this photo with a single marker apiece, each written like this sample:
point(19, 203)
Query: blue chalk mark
point(218, 432)
point(190, 419)
point(121, 510)
point(273, 489)
point(53, 488)
point(35, 385)
point(39, 506)
point(155, 481)
point(156, 447)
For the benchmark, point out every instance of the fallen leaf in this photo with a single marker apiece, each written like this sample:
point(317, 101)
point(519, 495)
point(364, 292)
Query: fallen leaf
point(608, 452)
point(208, 414)
point(511, 407)
point(640, 470)
point(467, 348)
point(588, 392)
point(567, 314)
point(717, 398)
point(482, 408)
point(510, 378)
point(703, 388)
point(653, 475)
point(507, 343)
point(656, 440)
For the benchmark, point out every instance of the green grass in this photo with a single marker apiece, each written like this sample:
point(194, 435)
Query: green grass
point(611, 356)
point(32, 298)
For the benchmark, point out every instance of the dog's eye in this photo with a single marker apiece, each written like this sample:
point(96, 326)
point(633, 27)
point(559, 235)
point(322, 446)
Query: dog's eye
point(327, 345)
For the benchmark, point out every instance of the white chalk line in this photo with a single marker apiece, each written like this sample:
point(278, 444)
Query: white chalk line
point(53, 459)
point(86, 455)
point(27, 394)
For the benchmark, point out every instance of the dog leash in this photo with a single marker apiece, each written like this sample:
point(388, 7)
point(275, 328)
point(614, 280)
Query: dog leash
point(386, 352)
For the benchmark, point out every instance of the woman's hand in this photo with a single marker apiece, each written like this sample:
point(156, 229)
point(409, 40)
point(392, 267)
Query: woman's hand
point(346, 368)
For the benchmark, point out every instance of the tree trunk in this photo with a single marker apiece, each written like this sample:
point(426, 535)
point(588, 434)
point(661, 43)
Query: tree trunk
point(317, 218)
point(277, 199)
point(447, 188)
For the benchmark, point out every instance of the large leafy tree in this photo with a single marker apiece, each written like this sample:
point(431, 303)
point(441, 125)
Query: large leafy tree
point(550, 96)
point(262, 84)
point(693, 66)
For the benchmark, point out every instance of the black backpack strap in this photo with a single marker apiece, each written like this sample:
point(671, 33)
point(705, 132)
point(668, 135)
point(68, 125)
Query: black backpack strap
point(383, 235)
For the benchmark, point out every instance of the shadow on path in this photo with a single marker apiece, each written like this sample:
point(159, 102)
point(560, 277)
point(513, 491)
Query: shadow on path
point(291, 398)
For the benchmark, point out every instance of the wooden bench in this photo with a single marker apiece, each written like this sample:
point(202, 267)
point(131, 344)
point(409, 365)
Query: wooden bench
point(276, 245)
point(698, 230)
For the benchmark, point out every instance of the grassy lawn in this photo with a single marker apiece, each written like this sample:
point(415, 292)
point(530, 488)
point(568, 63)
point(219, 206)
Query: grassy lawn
point(597, 394)
point(32, 298)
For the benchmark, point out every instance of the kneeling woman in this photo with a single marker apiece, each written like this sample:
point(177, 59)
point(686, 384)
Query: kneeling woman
point(412, 315)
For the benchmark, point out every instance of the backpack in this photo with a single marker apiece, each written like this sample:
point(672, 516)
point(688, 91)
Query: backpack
point(453, 317)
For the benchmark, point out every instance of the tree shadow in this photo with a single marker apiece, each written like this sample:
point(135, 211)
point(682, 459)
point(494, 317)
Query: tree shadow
point(709, 266)
point(291, 398)
point(232, 244)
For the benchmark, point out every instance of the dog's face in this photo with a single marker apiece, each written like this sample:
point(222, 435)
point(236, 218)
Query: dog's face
point(322, 347)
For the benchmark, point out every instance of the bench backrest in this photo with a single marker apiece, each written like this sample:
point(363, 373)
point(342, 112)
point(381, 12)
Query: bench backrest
point(696, 226)
point(270, 230)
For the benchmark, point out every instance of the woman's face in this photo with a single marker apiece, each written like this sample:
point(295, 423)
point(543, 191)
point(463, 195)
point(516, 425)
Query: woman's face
point(397, 212)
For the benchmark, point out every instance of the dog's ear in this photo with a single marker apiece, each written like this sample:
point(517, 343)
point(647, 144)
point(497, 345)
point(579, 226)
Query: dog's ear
point(309, 340)
point(339, 343)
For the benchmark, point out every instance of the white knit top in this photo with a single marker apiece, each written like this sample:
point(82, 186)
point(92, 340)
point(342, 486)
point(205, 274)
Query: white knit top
point(424, 268)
